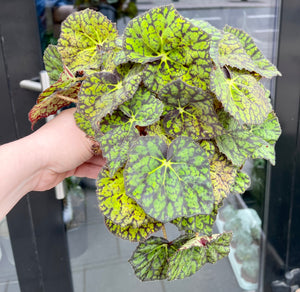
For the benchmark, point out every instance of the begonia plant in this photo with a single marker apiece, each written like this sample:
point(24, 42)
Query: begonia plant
point(177, 107)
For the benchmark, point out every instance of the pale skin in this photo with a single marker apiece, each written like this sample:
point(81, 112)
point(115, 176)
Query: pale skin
point(40, 161)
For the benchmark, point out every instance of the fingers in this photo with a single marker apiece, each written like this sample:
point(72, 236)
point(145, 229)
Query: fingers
point(91, 168)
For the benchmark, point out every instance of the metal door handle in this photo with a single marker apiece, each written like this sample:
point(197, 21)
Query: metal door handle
point(39, 86)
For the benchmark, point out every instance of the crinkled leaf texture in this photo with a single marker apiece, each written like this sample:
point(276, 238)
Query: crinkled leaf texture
point(83, 35)
point(58, 95)
point(189, 111)
point(177, 108)
point(53, 63)
point(131, 233)
point(262, 66)
point(159, 259)
point(118, 131)
point(223, 174)
point(150, 259)
point(169, 182)
point(115, 204)
point(168, 43)
point(241, 95)
point(242, 141)
point(202, 224)
point(103, 92)
point(270, 132)
point(241, 184)
point(196, 252)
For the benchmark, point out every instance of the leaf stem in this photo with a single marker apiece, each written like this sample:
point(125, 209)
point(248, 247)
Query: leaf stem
point(164, 232)
point(66, 98)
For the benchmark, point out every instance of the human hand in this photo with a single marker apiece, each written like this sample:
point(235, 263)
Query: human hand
point(64, 151)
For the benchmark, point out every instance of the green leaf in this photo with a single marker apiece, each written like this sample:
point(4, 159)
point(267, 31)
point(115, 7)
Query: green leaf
point(223, 175)
point(115, 204)
point(263, 66)
point(157, 129)
point(209, 147)
point(190, 112)
point(242, 96)
point(84, 35)
point(84, 124)
point(132, 233)
point(112, 55)
point(150, 36)
point(118, 134)
point(202, 224)
point(143, 109)
point(53, 63)
point(169, 182)
point(58, 95)
point(204, 25)
point(269, 131)
point(120, 128)
point(232, 53)
point(215, 37)
point(103, 92)
point(168, 43)
point(150, 259)
point(241, 184)
point(197, 252)
point(239, 143)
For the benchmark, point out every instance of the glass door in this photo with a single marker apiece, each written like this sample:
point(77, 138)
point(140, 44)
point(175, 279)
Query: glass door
point(65, 245)
point(99, 260)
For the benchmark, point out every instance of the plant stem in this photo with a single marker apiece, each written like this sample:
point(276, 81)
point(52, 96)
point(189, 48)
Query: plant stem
point(66, 98)
point(164, 232)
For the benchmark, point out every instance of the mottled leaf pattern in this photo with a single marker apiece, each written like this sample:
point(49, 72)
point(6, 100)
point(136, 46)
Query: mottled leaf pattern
point(150, 260)
point(119, 133)
point(84, 124)
point(232, 53)
point(53, 63)
point(239, 142)
point(205, 26)
point(103, 92)
point(83, 35)
point(169, 182)
point(58, 95)
point(270, 132)
point(168, 43)
point(263, 66)
point(132, 233)
point(209, 147)
point(197, 252)
point(190, 112)
point(115, 204)
point(120, 128)
point(241, 184)
point(242, 96)
point(177, 107)
point(202, 224)
point(222, 174)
